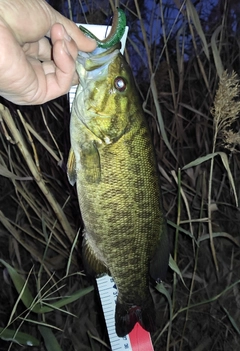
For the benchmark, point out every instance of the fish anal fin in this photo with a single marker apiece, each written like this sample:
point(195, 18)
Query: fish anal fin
point(127, 316)
point(159, 262)
point(71, 168)
point(92, 264)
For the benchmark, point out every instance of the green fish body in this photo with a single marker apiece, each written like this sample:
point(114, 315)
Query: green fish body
point(113, 163)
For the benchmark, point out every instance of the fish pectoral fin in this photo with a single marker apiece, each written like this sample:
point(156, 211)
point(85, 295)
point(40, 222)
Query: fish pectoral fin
point(71, 168)
point(92, 264)
point(160, 259)
point(90, 161)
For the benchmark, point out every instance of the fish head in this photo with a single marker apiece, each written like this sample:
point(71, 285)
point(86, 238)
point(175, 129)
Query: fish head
point(104, 99)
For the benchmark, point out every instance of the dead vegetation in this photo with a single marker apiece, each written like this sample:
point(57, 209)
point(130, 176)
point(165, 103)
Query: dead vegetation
point(186, 64)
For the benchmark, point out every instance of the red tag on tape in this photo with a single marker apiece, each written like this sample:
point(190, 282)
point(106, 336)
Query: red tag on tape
point(140, 339)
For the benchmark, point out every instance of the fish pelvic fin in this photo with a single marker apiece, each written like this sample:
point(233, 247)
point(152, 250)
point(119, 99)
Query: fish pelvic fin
point(127, 316)
point(71, 168)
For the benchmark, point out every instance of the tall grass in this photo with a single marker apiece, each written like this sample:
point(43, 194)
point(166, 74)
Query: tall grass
point(186, 65)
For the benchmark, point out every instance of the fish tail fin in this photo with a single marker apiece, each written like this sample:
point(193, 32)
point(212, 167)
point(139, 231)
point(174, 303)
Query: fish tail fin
point(128, 315)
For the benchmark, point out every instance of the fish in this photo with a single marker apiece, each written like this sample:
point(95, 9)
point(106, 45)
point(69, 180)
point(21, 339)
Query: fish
point(112, 160)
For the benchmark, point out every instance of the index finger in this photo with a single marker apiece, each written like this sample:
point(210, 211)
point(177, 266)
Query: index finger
point(83, 43)
point(35, 21)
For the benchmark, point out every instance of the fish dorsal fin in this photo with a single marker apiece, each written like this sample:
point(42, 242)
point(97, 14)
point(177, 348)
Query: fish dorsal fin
point(160, 259)
point(93, 265)
point(71, 168)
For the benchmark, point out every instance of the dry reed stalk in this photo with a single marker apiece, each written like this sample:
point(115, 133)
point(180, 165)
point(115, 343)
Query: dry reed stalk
point(8, 120)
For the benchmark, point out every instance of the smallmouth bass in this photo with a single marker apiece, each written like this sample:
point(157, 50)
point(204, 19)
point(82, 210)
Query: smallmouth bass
point(113, 163)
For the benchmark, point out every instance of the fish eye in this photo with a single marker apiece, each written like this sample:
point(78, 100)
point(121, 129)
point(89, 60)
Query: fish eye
point(120, 84)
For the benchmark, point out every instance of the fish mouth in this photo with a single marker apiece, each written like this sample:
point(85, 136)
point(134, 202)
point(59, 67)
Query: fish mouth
point(98, 58)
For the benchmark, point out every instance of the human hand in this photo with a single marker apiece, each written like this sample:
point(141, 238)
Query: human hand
point(32, 69)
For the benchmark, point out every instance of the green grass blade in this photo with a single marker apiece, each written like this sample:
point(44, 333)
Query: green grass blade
point(50, 340)
point(160, 117)
point(230, 177)
point(174, 267)
point(20, 284)
point(200, 160)
point(214, 298)
point(219, 235)
point(215, 51)
point(234, 324)
point(65, 300)
point(39, 323)
point(161, 288)
point(28, 300)
point(184, 231)
point(18, 337)
point(225, 162)
point(197, 24)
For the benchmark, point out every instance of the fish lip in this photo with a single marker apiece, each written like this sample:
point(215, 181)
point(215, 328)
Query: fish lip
point(98, 58)
point(100, 52)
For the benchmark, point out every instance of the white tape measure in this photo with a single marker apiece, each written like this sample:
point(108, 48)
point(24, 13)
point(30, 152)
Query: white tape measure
point(108, 294)
point(139, 339)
